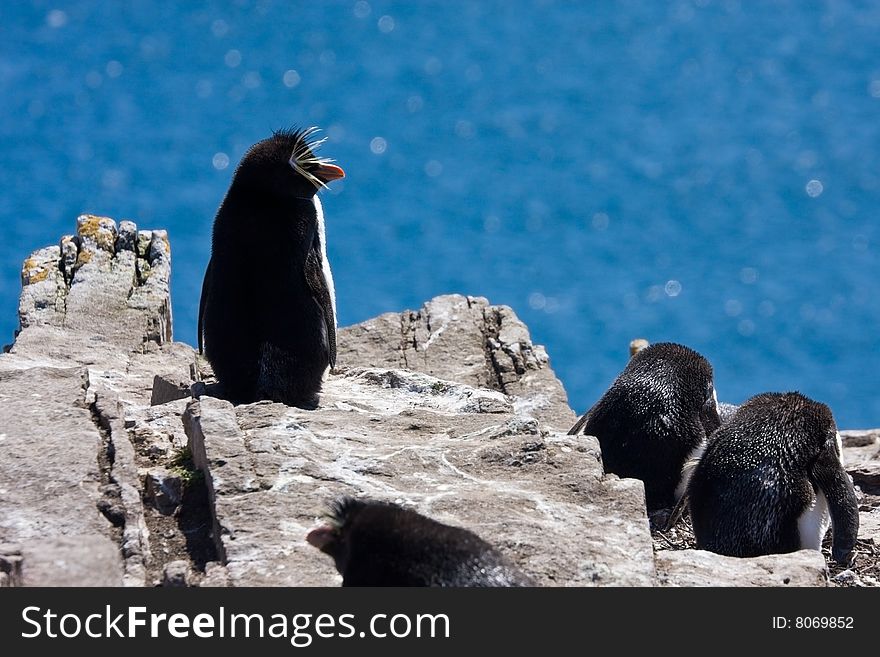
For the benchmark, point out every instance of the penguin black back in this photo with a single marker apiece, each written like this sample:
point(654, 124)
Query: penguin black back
point(656, 414)
point(267, 317)
point(769, 477)
point(383, 544)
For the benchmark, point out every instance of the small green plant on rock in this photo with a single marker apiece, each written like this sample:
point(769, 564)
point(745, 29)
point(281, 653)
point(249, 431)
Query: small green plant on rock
point(183, 466)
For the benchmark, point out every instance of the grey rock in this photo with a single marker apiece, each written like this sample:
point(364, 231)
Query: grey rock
point(69, 253)
point(153, 287)
point(847, 578)
point(100, 293)
point(72, 560)
point(163, 490)
point(126, 239)
point(466, 340)
point(108, 412)
point(166, 390)
point(442, 448)
point(44, 289)
point(87, 343)
point(157, 431)
point(54, 483)
point(860, 438)
point(144, 239)
point(96, 313)
point(701, 568)
point(869, 525)
point(10, 565)
point(861, 455)
point(866, 476)
point(215, 576)
point(49, 476)
point(176, 574)
point(110, 504)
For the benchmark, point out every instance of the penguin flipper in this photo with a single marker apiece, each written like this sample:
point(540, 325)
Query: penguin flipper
point(828, 473)
point(321, 292)
point(579, 425)
point(682, 492)
point(206, 290)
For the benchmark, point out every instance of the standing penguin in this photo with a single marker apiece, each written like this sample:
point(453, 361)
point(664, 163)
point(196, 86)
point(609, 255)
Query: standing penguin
point(382, 544)
point(657, 414)
point(767, 480)
point(267, 315)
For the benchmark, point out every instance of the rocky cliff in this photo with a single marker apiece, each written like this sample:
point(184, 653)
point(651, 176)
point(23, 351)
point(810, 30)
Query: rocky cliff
point(120, 468)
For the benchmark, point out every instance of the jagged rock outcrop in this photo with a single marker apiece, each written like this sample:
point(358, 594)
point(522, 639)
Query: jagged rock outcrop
point(463, 339)
point(95, 323)
point(122, 469)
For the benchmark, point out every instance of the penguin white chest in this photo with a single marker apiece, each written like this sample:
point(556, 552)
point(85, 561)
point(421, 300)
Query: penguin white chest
point(814, 523)
point(325, 263)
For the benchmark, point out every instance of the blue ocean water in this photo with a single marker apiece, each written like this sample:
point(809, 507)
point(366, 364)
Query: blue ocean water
point(701, 171)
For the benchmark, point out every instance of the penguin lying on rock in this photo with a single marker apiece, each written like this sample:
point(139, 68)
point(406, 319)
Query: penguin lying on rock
point(267, 316)
point(768, 479)
point(657, 414)
point(383, 544)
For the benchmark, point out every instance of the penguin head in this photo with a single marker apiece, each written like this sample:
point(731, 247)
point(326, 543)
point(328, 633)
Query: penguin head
point(383, 543)
point(691, 376)
point(285, 165)
point(335, 538)
point(799, 419)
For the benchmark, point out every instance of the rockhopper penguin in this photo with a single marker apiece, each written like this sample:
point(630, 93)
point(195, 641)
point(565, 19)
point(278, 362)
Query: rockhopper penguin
point(267, 315)
point(383, 544)
point(656, 414)
point(769, 478)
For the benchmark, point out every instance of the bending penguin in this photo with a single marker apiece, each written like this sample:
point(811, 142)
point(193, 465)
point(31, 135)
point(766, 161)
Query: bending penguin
point(657, 414)
point(383, 544)
point(267, 315)
point(769, 478)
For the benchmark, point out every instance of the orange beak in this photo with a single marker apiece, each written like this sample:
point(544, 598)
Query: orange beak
point(328, 172)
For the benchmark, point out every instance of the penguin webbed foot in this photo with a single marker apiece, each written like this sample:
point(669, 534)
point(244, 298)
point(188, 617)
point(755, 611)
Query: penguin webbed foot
point(235, 395)
point(845, 556)
point(845, 561)
point(284, 377)
point(310, 404)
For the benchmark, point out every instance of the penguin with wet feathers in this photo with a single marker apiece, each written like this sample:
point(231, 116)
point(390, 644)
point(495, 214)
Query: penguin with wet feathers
point(383, 544)
point(657, 414)
point(267, 315)
point(771, 480)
